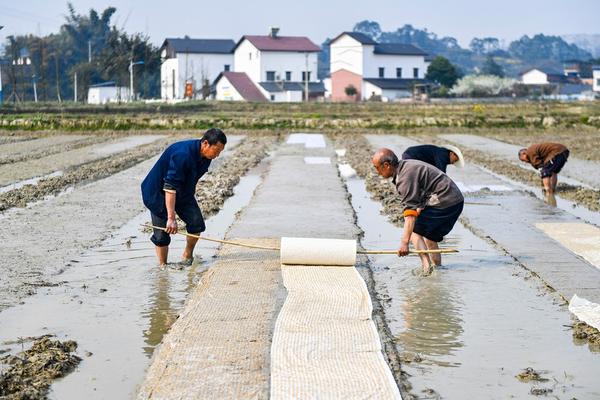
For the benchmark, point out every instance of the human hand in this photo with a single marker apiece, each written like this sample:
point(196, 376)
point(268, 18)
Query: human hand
point(171, 227)
point(403, 250)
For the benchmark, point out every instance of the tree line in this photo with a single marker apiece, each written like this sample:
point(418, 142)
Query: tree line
point(88, 46)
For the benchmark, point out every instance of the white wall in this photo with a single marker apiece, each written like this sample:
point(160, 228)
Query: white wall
point(255, 63)
point(282, 61)
point(390, 62)
point(227, 92)
point(191, 67)
point(247, 59)
point(168, 90)
point(596, 76)
point(534, 77)
point(347, 53)
point(369, 89)
point(109, 94)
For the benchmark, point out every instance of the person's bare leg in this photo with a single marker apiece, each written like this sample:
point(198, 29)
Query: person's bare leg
point(547, 182)
point(436, 258)
point(419, 244)
point(162, 252)
point(554, 182)
point(188, 252)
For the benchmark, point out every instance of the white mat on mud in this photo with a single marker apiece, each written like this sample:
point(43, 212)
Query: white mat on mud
point(309, 140)
point(325, 344)
point(585, 310)
point(581, 238)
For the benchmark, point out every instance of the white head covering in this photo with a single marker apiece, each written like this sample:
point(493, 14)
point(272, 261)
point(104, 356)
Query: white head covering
point(461, 160)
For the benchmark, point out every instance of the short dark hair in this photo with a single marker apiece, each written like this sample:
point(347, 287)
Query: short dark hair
point(214, 136)
point(521, 151)
point(390, 158)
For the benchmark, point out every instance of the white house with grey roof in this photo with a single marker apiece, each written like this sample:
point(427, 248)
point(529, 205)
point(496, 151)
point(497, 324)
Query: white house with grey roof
point(189, 66)
point(390, 71)
point(283, 68)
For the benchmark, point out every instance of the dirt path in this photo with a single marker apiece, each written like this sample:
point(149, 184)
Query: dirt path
point(10, 173)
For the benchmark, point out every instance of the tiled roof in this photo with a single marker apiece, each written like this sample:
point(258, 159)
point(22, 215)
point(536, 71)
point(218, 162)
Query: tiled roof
point(313, 87)
point(187, 45)
point(398, 49)
point(243, 84)
point(360, 37)
point(397, 84)
point(281, 43)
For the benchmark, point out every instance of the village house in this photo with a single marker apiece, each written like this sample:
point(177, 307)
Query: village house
point(596, 78)
point(363, 69)
point(189, 66)
point(107, 92)
point(565, 84)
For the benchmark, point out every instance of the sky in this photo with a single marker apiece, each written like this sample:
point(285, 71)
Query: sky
point(317, 19)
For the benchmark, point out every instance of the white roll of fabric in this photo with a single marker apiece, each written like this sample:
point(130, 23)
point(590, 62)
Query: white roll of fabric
point(313, 251)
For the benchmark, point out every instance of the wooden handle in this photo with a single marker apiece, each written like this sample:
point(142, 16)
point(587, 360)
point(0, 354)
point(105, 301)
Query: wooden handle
point(434, 251)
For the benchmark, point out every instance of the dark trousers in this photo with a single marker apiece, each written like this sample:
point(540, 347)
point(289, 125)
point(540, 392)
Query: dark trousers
point(189, 212)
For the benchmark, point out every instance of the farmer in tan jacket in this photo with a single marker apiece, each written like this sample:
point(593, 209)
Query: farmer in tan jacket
point(549, 158)
point(432, 203)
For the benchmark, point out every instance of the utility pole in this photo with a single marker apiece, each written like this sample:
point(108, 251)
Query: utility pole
point(75, 88)
point(34, 78)
point(131, 64)
point(306, 77)
point(89, 51)
point(1, 99)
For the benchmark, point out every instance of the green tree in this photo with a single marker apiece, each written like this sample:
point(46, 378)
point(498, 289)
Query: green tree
point(442, 71)
point(350, 91)
point(491, 67)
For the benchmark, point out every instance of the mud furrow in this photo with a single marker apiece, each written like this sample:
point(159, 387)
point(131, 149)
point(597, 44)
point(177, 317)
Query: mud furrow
point(88, 172)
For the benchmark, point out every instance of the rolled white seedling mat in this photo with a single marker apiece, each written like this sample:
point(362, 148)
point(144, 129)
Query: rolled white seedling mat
point(312, 251)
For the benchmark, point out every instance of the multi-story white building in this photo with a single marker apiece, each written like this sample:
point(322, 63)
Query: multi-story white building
point(386, 70)
point(596, 78)
point(283, 68)
point(189, 66)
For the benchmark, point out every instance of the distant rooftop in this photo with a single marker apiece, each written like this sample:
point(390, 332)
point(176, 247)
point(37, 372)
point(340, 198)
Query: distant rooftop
point(281, 43)
point(188, 45)
point(360, 37)
point(384, 48)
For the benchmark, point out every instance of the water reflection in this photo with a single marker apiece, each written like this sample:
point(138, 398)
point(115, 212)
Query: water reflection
point(433, 325)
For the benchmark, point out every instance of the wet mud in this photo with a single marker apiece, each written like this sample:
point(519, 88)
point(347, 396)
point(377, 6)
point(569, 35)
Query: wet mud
point(81, 174)
point(586, 333)
point(453, 325)
point(33, 149)
point(582, 141)
point(217, 185)
point(29, 374)
point(359, 153)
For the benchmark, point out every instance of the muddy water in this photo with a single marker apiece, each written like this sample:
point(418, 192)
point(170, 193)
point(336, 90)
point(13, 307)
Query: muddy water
point(117, 304)
point(476, 323)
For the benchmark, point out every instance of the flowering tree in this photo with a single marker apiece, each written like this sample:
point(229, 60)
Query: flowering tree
point(483, 85)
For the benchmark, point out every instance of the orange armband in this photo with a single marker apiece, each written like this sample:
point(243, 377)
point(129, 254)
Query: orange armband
point(410, 213)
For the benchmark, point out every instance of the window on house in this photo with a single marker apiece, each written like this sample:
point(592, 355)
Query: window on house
point(598, 82)
point(398, 72)
point(381, 72)
point(270, 75)
point(416, 72)
point(226, 67)
point(249, 56)
point(272, 97)
point(304, 76)
point(288, 75)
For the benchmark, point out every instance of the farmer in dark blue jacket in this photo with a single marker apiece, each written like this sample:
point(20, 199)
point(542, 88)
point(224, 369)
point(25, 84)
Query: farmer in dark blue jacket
point(437, 156)
point(170, 187)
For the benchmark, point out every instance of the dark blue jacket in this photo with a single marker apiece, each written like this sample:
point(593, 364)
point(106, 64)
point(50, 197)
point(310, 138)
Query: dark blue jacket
point(439, 157)
point(178, 168)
